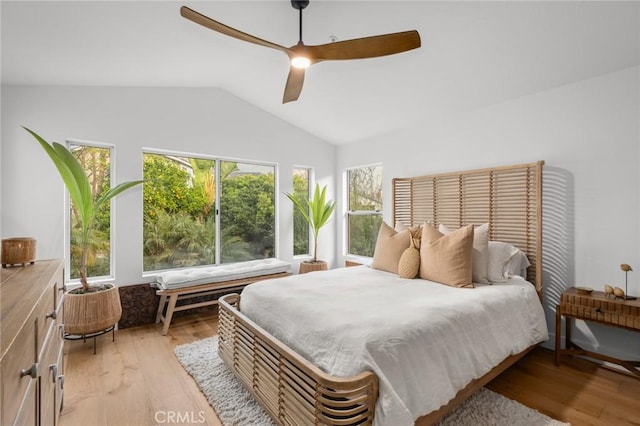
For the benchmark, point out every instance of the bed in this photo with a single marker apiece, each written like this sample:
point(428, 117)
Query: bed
point(291, 356)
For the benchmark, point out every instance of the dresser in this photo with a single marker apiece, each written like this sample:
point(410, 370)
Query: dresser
point(596, 307)
point(31, 343)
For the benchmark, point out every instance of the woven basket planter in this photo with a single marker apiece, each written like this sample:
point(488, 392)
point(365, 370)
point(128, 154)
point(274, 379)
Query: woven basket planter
point(92, 312)
point(310, 266)
point(18, 251)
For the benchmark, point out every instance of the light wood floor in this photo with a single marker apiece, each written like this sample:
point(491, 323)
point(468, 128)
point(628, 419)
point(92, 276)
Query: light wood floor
point(137, 380)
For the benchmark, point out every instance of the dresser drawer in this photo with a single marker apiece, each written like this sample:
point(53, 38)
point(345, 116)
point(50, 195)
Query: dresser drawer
point(20, 356)
point(58, 283)
point(59, 393)
point(27, 414)
point(46, 312)
point(49, 373)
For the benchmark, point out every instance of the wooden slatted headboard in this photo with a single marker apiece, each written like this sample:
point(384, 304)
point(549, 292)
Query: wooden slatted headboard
point(508, 198)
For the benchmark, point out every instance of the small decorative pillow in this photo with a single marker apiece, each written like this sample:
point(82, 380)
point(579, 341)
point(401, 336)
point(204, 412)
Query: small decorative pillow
point(409, 263)
point(480, 252)
point(447, 258)
point(389, 247)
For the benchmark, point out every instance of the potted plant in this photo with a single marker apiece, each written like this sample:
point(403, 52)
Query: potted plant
point(88, 309)
point(317, 212)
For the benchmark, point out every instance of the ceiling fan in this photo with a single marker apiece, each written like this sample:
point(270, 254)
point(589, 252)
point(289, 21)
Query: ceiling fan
point(302, 56)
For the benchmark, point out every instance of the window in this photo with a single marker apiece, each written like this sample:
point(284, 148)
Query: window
point(182, 225)
point(364, 214)
point(96, 162)
point(247, 212)
point(301, 190)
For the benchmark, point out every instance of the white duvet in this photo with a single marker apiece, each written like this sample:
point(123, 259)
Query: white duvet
point(425, 341)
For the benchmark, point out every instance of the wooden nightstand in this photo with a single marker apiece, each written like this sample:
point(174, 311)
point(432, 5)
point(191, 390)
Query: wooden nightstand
point(596, 307)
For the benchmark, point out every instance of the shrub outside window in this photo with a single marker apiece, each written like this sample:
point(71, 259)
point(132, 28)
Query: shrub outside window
point(183, 225)
point(364, 211)
point(301, 188)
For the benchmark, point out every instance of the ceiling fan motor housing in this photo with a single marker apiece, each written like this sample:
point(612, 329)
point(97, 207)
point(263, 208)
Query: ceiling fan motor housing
point(299, 4)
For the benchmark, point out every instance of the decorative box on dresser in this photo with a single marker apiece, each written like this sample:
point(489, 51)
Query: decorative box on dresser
point(31, 343)
point(596, 306)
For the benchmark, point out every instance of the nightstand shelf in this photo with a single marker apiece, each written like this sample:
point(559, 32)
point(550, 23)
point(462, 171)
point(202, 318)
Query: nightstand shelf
point(596, 307)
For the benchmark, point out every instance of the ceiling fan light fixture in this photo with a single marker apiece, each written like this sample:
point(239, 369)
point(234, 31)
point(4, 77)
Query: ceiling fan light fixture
point(300, 62)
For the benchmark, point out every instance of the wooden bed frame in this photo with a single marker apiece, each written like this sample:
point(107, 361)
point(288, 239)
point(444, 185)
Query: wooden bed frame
point(295, 392)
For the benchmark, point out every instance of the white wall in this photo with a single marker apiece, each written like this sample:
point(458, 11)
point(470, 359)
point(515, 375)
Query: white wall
point(195, 120)
point(588, 134)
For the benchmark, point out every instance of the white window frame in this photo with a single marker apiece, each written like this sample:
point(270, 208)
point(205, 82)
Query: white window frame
point(310, 185)
point(218, 159)
point(112, 218)
point(348, 213)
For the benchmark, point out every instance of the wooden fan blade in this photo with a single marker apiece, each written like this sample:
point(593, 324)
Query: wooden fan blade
point(366, 47)
point(294, 85)
point(207, 22)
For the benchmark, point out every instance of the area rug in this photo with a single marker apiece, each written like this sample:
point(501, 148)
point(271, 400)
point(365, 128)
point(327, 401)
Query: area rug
point(235, 406)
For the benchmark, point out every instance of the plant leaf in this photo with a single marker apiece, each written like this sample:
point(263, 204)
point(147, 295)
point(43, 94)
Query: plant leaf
point(317, 210)
point(84, 203)
point(112, 192)
point(302, 207)
point(72, 175)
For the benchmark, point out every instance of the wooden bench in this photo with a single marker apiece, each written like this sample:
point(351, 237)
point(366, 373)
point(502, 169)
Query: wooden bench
point(171, 296)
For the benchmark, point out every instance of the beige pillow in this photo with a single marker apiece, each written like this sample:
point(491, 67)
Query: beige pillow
point(480, 256)
point(409, 263)
point(447, 258)
point(389, 247)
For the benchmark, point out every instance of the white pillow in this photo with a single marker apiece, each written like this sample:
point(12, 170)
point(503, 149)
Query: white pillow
point(518, 265)
point(506, 260)
point(480, 254)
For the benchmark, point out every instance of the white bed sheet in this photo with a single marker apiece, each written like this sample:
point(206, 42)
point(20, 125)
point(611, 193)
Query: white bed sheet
point(425, 341)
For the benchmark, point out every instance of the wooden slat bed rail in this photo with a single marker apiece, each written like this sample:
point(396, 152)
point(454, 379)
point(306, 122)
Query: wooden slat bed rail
point(291, 389)
point(508, 198)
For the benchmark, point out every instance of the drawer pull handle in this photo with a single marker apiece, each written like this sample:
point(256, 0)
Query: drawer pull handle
point(32, 372)
point(52, 315)
point(54, 372)
point(598, 310)
point(61, 328)
point(61, 381)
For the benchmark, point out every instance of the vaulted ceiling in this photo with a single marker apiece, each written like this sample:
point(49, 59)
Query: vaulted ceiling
point(473, 54)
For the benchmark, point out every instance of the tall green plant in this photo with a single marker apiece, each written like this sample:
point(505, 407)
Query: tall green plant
point(86, 205)
point(316, 211)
